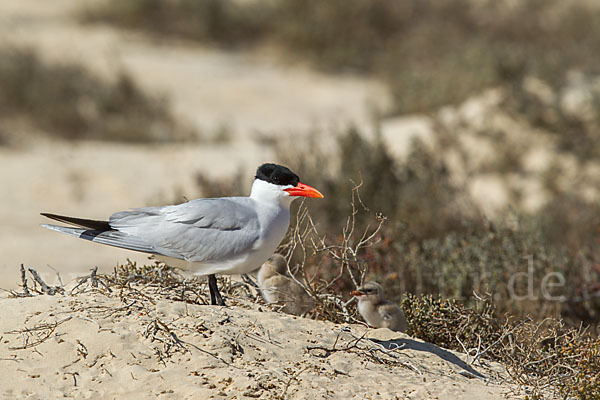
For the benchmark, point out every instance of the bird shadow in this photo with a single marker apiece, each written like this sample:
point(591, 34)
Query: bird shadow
point(410, 344)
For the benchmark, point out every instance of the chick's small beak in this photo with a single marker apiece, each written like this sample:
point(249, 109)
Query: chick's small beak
point(357, 293)
point(304, 191)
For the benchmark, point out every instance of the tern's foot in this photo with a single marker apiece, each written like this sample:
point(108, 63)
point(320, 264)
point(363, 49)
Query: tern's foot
point(216, 299)
point(215, 295)
point(220, 302)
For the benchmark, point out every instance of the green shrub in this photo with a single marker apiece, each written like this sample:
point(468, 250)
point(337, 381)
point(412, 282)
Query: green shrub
point(546, 357)
point(448, 323)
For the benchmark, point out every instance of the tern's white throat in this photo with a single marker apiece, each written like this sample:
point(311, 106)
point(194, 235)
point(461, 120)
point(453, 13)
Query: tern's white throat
point(266, 192)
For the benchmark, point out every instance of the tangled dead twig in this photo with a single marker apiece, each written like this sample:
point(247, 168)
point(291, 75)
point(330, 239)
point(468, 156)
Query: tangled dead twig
point(24, 281)
point(49, 290)
point(39, 334)
point(292, 378)
point(157, 330)
point(315, 255)
point(333, 348)
point(94, 281)
point(37, 280)
point(347, 252)
point(367, 348)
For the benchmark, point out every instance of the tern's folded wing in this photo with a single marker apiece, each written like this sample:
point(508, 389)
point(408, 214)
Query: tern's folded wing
point(203, 230)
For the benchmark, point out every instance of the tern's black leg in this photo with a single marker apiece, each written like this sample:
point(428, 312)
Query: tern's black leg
point(215, 296)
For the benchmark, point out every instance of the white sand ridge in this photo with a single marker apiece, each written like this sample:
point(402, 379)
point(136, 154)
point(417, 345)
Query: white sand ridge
point(132, 343)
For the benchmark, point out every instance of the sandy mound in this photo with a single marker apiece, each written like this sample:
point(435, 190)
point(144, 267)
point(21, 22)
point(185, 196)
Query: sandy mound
point(131, 343)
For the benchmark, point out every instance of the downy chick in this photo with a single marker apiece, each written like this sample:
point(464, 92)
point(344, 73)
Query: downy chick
point(278, 288)
point(376, 310)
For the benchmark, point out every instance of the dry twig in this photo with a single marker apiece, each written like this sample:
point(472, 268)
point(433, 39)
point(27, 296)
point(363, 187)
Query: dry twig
point(40, 333)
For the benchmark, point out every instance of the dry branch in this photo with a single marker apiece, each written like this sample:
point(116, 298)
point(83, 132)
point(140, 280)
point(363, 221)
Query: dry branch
point(49, 290)
point(40, 333)
point(312, 250)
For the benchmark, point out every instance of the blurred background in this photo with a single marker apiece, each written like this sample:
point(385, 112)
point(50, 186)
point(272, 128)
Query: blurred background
point(473, 125)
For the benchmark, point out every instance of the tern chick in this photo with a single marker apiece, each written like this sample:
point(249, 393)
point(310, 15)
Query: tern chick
point(376, 310)
point(278, 288)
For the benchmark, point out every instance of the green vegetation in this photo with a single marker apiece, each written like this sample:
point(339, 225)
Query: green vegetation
point(67, 101)
point(545, 356)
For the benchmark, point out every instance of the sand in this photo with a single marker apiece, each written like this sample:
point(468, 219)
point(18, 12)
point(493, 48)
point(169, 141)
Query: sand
point(101, 345)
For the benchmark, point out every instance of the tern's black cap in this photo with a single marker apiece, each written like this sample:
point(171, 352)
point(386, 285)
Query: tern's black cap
point(277, 175)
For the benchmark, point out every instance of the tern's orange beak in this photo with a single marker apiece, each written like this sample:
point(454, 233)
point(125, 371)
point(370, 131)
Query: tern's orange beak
point(304, 191)
point(357, 293)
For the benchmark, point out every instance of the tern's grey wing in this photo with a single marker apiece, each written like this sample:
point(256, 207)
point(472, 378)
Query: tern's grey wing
point(203, 230)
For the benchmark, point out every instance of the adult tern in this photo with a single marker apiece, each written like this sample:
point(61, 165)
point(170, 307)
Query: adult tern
point(227, 235)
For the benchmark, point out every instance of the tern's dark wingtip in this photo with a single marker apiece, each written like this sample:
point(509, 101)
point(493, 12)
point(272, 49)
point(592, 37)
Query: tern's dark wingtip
point(49, 215)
